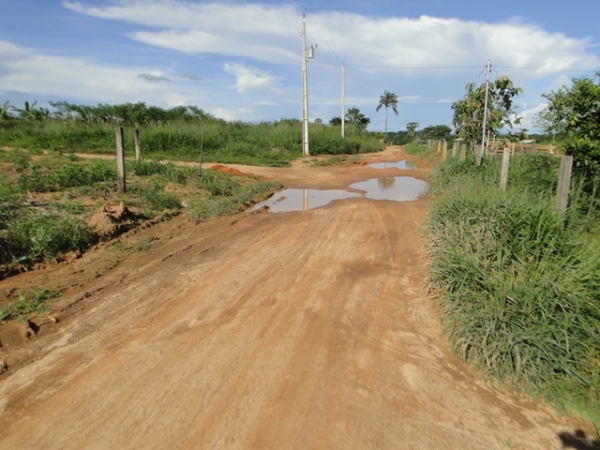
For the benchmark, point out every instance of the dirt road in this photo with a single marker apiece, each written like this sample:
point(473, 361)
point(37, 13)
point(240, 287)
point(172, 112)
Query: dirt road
point(307, 330)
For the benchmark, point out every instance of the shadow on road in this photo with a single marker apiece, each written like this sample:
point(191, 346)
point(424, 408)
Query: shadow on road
point(578, 441)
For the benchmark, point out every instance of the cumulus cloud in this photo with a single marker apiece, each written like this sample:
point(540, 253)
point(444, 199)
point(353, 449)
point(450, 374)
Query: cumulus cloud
point(270, 33)
point(192, 77)
point(153, 78)
point(250, 78)
point(28, 71)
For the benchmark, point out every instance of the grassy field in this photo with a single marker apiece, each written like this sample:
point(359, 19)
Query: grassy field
point(519, 284)
point(272, 144)
point(45, 200)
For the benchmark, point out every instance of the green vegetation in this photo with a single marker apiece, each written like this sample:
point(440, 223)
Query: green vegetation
point(27, 304)
point(388, 100)
point(227, 197)
point(46, 200)
point(356, 125)
point(468, 117)
point(335, 161)
point(414, 148)
point(518, 283)
point(175, 134)
point(574, 113)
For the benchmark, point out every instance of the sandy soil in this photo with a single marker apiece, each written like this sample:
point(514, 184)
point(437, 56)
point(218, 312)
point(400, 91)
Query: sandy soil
point(307, 330)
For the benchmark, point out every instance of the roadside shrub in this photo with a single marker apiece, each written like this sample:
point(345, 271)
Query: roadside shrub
point(168, 171)
point(69, 175)
point(519, 286)
point(43, 236)
point(159, 200)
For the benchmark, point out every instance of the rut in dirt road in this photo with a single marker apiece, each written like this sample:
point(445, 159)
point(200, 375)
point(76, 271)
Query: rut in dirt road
point(302, 330)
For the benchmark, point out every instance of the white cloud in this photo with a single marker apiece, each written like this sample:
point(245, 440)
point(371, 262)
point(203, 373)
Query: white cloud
point(230, 114)
point(25, 70)
point(529, 116)
point(270, 33)
point(251, 78)
point(153, 77)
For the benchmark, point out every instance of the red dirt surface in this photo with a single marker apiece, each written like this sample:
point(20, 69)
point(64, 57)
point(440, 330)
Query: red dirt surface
point(306, 330)
point(227, 170)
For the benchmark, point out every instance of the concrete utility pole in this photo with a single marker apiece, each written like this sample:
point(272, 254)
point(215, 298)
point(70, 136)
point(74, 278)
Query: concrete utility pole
point(343, 100)
point(485, 112)
point(306, 55)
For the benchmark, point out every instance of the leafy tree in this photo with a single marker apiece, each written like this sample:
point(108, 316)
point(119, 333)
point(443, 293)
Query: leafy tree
point(397, 138)
point(469, 112)
point(437, 132)
point(411, 129)
point(5, 109)
point(356, 121)
point(30, 112)
point(318, 120)
point(576, 110)
point(389, 100)
point(336, 121)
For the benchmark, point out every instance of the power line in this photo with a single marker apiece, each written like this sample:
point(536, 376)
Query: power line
point(546, 69)
point(359, 66)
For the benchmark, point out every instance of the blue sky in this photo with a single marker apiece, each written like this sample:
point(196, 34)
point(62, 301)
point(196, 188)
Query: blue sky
point(242, 60)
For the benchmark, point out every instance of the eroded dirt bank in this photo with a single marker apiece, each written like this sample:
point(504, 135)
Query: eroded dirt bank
point(304, 330)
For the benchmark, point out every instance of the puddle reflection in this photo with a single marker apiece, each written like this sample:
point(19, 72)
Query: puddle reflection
point(389, 165)
point(398, 189)
point(290, 200)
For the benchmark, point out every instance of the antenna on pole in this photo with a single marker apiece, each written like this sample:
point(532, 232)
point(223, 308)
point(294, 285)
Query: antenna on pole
point(343, 99)
point(485, 112)
point(306, 55)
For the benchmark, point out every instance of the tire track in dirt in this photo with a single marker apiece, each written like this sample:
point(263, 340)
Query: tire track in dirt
point(304, 330)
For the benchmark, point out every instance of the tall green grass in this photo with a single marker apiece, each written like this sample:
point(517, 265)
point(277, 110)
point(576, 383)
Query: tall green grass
point(518, 283)
point(273, 144)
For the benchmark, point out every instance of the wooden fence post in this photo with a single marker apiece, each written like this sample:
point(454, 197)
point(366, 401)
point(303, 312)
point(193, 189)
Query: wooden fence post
point(201, 149)
point(505, 163)
point(120, 159)
point(463, 152)
point(533, 148)
point(439, 146)
point(444, 150)
point(455, 146)
point(564, 183)
point(138, 148)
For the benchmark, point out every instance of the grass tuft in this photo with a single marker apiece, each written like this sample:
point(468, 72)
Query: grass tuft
point(519, 286)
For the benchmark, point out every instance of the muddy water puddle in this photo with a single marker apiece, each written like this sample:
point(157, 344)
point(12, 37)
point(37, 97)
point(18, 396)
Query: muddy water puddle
point(398, 189)
point(403, 165)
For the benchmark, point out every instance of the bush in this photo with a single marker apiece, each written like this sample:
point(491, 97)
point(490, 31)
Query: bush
point(43, 236)
point(519, 286)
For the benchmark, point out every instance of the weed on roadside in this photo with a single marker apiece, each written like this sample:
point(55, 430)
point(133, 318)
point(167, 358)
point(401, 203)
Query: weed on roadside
point(27, 304)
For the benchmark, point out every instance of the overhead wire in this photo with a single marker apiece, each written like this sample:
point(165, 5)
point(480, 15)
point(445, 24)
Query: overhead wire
point(337, 56)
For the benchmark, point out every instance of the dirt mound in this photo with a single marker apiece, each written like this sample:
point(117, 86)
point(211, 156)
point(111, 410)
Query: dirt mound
point(228, 170)
point(111, 221)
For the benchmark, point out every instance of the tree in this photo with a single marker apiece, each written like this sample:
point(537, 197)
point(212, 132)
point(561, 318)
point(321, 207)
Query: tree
point(469, 112)
point(411, 129)
point(5, 109)
point(355, 120)
point(336, 121)
point(576, 111)
point(437, 132)
point(388, 99)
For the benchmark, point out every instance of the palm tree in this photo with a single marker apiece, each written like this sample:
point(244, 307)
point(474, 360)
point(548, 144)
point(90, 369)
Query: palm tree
point(388, 99)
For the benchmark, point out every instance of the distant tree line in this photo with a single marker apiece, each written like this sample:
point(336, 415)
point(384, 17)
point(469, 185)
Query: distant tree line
point(135, 114)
